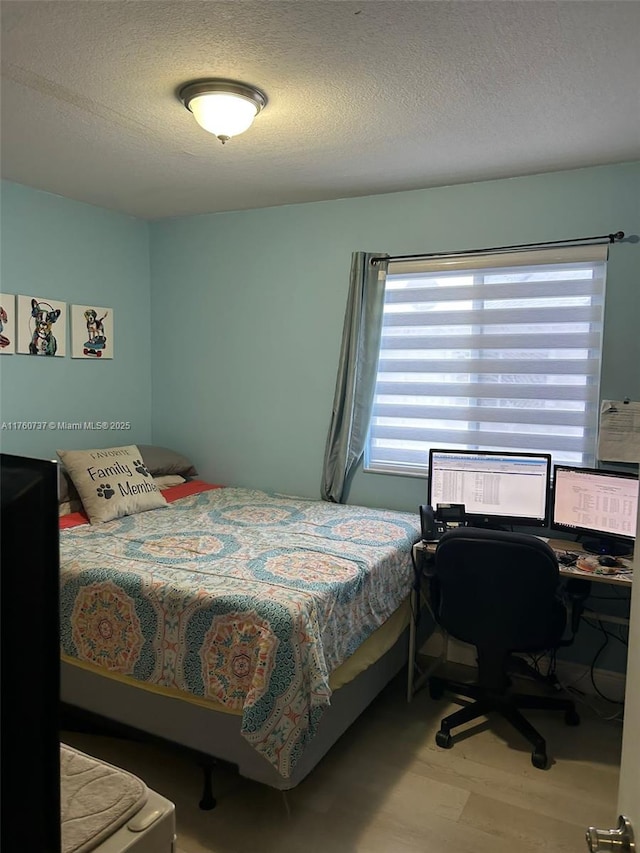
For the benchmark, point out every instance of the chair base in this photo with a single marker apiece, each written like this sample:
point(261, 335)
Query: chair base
point(506, 704)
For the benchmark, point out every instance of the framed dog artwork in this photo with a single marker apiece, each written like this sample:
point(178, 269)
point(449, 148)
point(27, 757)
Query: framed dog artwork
point(42, 326)
point(91, 332)
point(7, 323)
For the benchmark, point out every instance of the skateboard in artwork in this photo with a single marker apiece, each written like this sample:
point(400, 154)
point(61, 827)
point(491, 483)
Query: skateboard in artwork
point(95, 346)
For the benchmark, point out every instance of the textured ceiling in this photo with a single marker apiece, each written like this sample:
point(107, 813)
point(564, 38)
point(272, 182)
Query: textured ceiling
point(367, 97)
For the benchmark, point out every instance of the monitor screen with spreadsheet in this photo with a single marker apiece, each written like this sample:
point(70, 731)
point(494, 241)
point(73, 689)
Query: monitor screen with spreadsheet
point(601, 505)
point(496, 488)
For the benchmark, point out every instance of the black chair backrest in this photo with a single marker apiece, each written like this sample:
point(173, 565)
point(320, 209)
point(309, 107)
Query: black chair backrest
point(496, 588)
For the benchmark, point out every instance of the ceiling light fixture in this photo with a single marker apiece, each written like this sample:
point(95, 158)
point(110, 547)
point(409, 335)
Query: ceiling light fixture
point(223, 107)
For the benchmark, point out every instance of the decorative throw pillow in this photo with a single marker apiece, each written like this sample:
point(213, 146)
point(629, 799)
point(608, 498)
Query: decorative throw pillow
point(111, 482)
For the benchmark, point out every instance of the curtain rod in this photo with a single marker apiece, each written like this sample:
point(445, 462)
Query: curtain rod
point(576, 241)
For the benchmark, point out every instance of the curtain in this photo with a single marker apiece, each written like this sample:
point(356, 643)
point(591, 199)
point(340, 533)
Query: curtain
point(357, 369)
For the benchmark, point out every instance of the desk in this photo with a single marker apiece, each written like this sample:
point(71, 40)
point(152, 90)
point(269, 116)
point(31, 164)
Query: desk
point(573, 572)
point(425, 551)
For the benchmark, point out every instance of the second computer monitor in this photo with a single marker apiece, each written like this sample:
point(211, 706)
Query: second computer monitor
point(597, 504)
point(496, 488)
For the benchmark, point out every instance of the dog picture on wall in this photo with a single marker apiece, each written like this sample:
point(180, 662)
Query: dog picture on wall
point(7, 323)
point(91, 332)
point(42, 326)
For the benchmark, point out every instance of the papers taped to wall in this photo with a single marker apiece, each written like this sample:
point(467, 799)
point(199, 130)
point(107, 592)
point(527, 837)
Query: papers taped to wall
point(619, 435)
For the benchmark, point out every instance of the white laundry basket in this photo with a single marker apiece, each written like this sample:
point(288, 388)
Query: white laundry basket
point(108, 810)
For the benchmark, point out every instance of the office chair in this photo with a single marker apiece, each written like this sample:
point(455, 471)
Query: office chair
point(498, 591)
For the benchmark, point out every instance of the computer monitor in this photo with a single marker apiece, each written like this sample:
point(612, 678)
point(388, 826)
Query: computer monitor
point(601, 505)
point(497, 488)
point(30, 655)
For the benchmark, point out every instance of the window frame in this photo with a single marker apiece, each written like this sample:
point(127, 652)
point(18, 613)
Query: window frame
point(490, 264)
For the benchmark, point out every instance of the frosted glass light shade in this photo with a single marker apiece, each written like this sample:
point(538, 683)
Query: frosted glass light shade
point(222, 114)
point(223, 107)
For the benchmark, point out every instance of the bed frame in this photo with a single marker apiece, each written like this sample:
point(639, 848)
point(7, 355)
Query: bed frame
point(216, 734)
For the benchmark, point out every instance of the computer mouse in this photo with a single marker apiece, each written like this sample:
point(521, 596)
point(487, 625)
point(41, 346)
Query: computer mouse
point(607, 561)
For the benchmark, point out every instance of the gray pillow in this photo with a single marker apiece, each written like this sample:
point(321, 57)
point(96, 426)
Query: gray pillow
point(66, 490)
point(161, 460)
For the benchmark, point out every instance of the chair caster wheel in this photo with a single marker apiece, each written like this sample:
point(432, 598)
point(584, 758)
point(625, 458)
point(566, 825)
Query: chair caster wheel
point(444, 740)
point(572, 718)
point(436, 688)
point(539, 759)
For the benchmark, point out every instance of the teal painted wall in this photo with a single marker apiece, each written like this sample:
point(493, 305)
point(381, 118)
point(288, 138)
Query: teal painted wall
point(239, 329)
point(58, 248)
point(248, 308)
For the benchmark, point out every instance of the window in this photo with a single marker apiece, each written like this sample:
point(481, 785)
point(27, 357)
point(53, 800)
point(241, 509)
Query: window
point(491, 352)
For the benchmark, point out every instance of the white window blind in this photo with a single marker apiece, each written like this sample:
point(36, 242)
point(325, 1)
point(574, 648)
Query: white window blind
point(491, 352)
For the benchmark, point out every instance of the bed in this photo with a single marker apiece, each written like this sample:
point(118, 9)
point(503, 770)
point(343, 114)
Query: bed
point(247, 626)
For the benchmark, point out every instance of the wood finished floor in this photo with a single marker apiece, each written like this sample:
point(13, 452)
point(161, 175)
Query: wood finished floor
point(385, 787)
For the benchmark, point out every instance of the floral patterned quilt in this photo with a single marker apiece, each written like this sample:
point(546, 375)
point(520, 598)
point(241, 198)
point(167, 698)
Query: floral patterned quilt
point(238, 596)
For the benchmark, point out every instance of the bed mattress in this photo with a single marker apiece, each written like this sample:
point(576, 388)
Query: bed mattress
point(237, 597)
point(108, 810)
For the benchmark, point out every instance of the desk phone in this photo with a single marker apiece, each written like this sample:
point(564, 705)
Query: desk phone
point(435, 522)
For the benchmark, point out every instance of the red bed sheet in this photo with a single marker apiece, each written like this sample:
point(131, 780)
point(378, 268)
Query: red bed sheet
point(173, 493)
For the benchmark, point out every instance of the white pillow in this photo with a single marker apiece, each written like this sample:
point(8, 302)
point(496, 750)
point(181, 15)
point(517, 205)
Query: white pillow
point(111, 482)
point(166, 480)
point(67, 507)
